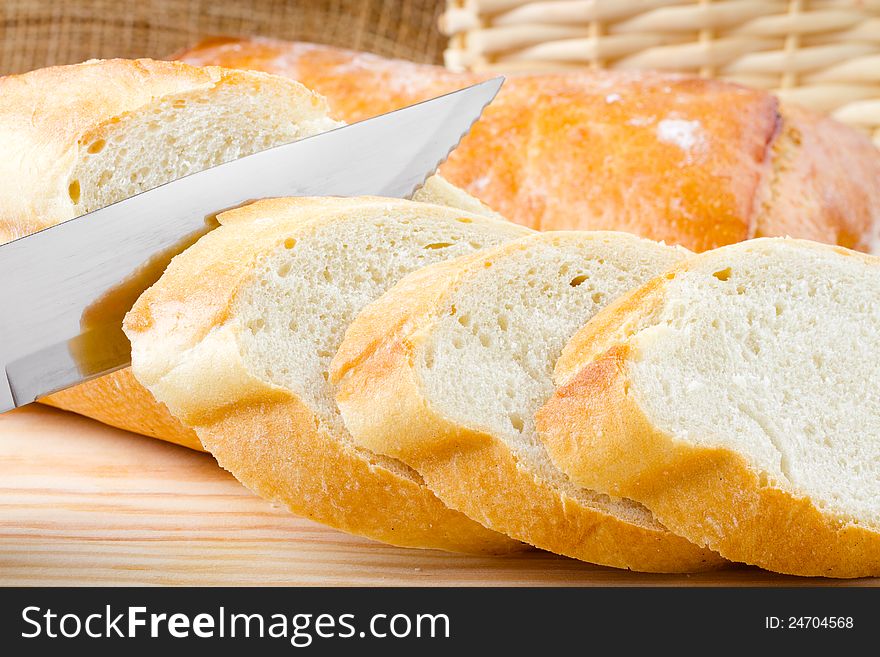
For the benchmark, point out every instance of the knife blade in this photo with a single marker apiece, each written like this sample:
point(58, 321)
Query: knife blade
point(66, 289)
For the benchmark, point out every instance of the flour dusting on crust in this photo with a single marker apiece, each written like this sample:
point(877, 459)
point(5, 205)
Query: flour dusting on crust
point(682, 133)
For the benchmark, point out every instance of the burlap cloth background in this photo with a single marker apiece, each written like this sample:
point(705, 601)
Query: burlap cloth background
point(35, 33)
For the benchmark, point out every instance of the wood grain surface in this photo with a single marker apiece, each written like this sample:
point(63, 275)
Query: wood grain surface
point(84, 504)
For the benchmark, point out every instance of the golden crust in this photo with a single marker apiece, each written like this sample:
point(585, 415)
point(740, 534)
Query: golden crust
point(540, 515)
point(270, 445)
point(266, 436)
point(386, 412)
point(598, 435)
point(119, 400)
point(358, 85)
point(582, 149)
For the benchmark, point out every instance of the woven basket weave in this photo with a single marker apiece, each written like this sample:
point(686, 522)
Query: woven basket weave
point(35, 33)
point(823, 54)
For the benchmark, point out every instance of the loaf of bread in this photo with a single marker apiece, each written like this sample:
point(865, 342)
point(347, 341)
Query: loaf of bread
point(77, 138)
point(736, 397)
point(237, 335)
point(446, 370)
point(692, 162)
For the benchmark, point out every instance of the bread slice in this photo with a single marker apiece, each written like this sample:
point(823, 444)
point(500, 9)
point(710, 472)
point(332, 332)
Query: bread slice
point(736, 397)
point(446, 370)
point(236, 339)
point(76, 138)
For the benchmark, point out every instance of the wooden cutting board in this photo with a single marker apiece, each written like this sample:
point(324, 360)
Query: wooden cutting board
point(82, 503)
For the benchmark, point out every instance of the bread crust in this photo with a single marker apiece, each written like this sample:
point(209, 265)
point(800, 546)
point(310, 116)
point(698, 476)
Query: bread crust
point(265, 435)
point(119, 400)
point(385, 410)
point(270, 446)
point(596, 432)
point(583, 150)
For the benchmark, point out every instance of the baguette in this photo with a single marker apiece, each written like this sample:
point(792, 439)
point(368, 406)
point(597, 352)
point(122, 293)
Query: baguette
point(693, 162)
point(237, 335)
point(446, 369)
point(736, 397)
point(77, 138)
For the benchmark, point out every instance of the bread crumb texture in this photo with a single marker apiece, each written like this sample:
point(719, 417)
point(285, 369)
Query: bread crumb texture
point(738, 400)
point(237, 337)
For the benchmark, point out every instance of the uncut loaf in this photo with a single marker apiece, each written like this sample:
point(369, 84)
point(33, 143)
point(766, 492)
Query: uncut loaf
point(695, 162)
point(737, 397)
point(446, 370)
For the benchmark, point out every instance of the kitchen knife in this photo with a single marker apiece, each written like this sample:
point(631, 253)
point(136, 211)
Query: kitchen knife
point(65, 289)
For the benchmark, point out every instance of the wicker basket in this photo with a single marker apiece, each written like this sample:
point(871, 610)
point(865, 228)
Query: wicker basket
point(35, 33)
point(823, 54)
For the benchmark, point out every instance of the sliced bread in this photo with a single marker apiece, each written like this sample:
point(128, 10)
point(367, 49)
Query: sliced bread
point(236, 339)
point(79, 137)
point(446, 370)
point(737, 398)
